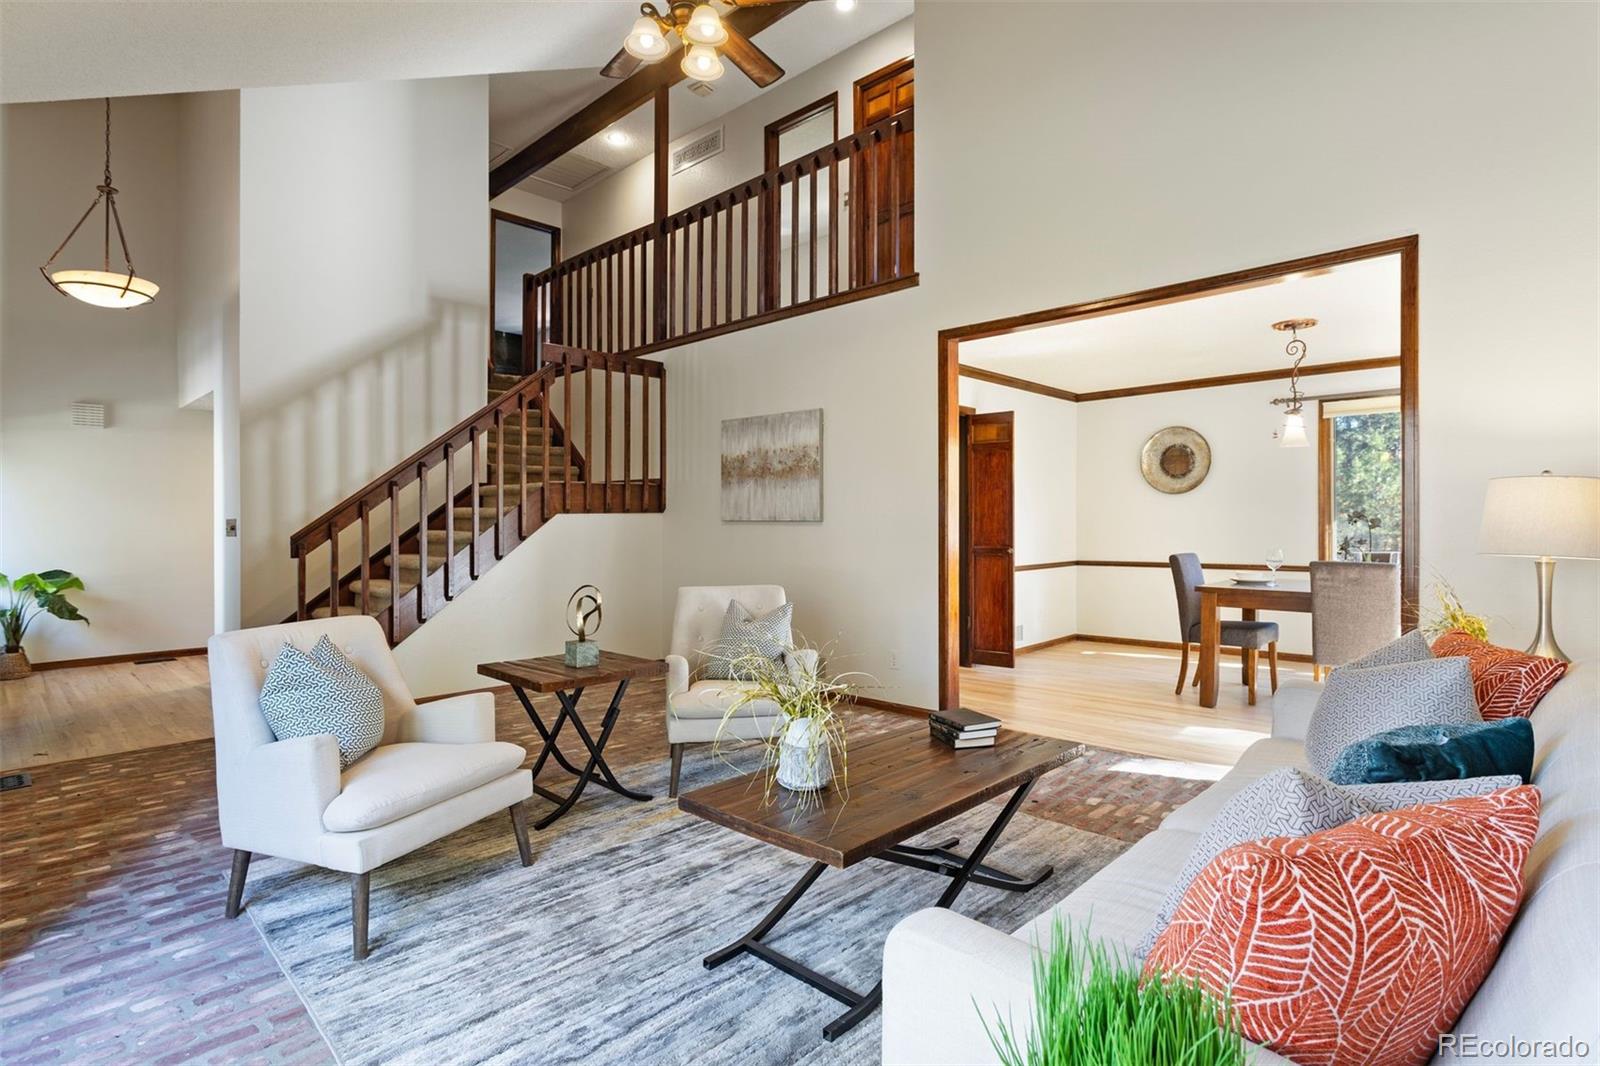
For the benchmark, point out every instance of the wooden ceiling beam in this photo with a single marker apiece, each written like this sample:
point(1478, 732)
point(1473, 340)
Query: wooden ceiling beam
point(621, 99)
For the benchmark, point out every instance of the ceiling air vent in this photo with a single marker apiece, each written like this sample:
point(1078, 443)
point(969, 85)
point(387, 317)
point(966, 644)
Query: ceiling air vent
point(698, 151)
point(89, 415)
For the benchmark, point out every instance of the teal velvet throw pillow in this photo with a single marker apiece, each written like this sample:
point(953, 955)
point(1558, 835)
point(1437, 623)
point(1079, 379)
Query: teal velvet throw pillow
point(1438, 753)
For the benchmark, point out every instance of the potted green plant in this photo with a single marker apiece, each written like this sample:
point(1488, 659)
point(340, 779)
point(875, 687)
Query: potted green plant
point(808, 751)
point(27, 597)
point(1092, 1007)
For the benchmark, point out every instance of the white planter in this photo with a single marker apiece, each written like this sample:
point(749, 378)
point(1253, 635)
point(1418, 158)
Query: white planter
point(804, 764)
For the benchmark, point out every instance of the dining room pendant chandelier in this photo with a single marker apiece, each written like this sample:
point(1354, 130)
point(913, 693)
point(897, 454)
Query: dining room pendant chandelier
point(103, 287)
point(1292, 434)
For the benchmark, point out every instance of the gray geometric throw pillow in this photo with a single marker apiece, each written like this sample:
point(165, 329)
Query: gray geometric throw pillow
point(1357, 703)
point(769, 636)
point(1292, 803)
point(323, 692)
point(1411, 648)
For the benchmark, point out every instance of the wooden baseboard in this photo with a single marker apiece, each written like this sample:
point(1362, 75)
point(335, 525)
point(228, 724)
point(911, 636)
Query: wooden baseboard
point(1052, 642)
point(463, 692)
point(1172, 645)
point(107, 660)
point(886, 705)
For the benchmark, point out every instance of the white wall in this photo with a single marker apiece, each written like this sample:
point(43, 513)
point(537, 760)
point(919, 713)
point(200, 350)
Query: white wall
point(1257, 497)
point(207, 298)
point(624, 201)
point(119, 505)
point(364, 297)
point(530, 206)
point(1164, 160)
point(1045, 485)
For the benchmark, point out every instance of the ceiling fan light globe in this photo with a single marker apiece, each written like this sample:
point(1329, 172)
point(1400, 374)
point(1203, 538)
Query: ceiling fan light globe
point(104, 288)
point(645, 40)
point(702, 63)
point(705, 26)
point(845, 5)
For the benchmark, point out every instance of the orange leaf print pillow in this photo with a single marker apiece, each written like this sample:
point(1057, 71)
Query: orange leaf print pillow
point(1360, 944)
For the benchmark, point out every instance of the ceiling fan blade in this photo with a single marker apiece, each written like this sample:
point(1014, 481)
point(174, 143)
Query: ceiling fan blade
point(756, 64)
point(622, 64)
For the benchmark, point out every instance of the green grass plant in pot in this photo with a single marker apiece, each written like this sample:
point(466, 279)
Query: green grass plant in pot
point(24, 600)
point(1092, 1007)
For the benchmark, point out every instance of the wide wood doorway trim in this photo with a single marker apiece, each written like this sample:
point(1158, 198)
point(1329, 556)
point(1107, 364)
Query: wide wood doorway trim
point(949, 370)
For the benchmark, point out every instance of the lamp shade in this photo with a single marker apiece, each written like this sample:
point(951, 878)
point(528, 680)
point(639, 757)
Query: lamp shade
point(1543, 515)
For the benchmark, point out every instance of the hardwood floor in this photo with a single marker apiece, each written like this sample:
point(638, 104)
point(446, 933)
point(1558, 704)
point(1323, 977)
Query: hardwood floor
point(88, 711)
point(1107, 695)
point(1120, 697)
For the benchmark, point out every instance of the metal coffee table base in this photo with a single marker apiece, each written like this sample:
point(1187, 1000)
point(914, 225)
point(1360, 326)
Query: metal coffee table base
point(935, 859)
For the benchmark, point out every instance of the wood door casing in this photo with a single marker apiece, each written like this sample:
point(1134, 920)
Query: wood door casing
point(990, 606)
point(883, 93)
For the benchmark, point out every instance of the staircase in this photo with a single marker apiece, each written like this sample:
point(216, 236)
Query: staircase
point(501, 474)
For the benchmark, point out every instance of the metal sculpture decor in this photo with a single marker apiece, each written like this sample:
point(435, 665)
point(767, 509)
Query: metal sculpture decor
point(1175, 460)
point(583, 618)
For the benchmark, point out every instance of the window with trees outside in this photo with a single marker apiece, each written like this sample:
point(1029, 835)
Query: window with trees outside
point(1359, 460)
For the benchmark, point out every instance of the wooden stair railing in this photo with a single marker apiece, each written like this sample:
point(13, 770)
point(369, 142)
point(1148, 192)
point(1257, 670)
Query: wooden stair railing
point(484, 486)
point(689, 275)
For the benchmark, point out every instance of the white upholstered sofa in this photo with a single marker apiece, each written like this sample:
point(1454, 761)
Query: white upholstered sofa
point(1544, 986)
point(695, 707)
point(438, 768)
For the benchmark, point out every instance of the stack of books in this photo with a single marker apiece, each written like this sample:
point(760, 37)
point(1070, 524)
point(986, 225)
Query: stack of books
point(962, 728)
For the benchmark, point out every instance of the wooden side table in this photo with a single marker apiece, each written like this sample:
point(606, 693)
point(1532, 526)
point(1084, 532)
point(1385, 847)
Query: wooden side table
point(549, 674)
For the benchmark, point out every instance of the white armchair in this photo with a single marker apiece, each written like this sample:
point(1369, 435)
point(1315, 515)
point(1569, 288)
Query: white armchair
point(438, 768)
point(695, 708)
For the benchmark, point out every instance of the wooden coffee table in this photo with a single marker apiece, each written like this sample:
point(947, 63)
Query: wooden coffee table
point(551, 674)
point(901, 783)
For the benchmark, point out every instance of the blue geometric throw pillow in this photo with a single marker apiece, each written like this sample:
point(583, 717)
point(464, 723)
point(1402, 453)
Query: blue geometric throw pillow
point(1438, 753)
point(323, 692)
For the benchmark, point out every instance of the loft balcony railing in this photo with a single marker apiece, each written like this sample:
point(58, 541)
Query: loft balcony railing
point(832, 226)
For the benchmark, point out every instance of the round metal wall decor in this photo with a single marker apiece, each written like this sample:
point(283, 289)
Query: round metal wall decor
point(1175, 459)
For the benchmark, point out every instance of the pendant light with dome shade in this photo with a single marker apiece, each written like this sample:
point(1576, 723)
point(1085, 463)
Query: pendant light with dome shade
point(103, 287)
point(1292, 434)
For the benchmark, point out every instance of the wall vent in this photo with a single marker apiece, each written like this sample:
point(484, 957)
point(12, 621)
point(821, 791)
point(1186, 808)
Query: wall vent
point(698, 151)
point(89, 415)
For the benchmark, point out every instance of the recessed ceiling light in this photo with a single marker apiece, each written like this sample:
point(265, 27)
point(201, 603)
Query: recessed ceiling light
point(845, 5)
point(616, 138)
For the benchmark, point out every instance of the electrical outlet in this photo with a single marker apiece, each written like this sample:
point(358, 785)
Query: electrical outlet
point(894, 660)
point(1019, 632)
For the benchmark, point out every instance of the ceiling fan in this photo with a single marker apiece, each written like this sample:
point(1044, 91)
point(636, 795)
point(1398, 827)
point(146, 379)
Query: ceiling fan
point(705, 36)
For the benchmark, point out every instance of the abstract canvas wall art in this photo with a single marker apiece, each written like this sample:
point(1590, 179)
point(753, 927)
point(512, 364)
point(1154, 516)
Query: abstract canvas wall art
point(772, 468)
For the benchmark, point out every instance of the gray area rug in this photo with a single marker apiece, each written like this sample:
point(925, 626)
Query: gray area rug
point(593, 954)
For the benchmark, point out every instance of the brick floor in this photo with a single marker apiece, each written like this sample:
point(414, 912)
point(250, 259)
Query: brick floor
point(113, 947)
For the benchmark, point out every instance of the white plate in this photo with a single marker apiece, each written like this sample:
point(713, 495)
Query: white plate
point(1258, 582)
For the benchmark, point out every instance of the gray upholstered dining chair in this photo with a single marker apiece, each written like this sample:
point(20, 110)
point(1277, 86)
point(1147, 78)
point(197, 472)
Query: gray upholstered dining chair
point(1248, 635)
point(1355, 608)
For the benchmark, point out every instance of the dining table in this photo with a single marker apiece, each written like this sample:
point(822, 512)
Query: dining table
point(1291, 594)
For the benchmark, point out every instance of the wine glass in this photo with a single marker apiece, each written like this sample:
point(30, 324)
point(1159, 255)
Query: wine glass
point(1274, 560)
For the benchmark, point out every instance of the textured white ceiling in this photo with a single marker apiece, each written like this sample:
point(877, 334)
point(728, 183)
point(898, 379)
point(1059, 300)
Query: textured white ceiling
point(58, 50)
point(1357, 307)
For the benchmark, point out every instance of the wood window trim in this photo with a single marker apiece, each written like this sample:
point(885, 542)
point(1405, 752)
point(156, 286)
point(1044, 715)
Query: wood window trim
point(948, 365)
point(779, 126)
point(1325, 469)
point(497, 216)
point(770, 222)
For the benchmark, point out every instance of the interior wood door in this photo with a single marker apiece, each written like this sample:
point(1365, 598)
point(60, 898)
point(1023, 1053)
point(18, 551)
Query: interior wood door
point(875, 213)
point(990, 558)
